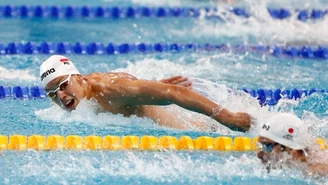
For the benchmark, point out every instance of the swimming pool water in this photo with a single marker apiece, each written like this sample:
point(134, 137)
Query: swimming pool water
point(233, 71)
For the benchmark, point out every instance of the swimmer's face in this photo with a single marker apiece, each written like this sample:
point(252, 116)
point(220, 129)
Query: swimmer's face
point(270, 151)
point(65, 91)
point(273, 154)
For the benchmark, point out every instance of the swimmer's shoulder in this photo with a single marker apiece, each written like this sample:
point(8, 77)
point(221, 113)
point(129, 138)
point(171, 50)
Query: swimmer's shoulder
point(110, 75)
point(108, 82)
point(98, 79)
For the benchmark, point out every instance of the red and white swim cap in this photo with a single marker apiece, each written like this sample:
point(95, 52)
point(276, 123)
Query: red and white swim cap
point(56, 66)
point(288, 130)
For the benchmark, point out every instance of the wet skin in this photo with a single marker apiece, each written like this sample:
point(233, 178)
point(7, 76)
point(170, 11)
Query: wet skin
point(121, 93)
point(273, 158)
point(309, 161)
point(277, 151)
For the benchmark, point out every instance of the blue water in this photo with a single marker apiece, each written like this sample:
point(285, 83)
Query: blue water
point(230, 71)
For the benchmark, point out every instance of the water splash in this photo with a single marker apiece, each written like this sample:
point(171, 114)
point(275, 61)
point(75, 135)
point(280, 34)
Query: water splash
point(88, 112)
point(153, 167)
point(262, 28)
point(11, 74)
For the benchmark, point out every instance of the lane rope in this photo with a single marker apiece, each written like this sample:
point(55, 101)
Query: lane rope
point(131, 142)
point(264, 96)
point(97, 48)
point(40, 11)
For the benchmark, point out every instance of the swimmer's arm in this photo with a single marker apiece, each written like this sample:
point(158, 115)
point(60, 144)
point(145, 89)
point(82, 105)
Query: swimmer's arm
point(143, 92)
point(178, 80)
point(318, 169)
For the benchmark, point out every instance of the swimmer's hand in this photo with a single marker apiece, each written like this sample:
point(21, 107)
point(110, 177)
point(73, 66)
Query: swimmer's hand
point(178, 80)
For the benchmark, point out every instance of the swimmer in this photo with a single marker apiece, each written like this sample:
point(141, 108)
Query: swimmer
point(122, 93)
point(286, 141)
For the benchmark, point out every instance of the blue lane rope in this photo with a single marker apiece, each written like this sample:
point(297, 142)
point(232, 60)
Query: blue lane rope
point(96, 48)
point(265, 96)
point(40, 11)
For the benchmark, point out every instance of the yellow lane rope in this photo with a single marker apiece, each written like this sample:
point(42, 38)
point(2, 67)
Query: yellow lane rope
point(147, 142)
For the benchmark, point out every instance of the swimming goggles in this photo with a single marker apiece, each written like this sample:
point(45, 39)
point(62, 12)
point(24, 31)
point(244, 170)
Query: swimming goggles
point(268, 147)
point(62, 86)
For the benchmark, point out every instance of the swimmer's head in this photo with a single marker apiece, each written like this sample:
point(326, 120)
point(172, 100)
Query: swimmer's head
point(56, 66)
point(286, 129)
point(62, 81)
point(283, 133)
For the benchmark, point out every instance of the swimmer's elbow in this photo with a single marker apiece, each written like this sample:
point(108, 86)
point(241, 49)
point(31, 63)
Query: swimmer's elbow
point(174, 92)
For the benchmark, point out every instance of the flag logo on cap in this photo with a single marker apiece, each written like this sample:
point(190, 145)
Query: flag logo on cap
point(65, 61)
point(290, 130)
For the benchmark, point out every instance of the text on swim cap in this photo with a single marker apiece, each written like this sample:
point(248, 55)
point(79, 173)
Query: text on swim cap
point(266, 127)
point(289, 137)
point(48, 72)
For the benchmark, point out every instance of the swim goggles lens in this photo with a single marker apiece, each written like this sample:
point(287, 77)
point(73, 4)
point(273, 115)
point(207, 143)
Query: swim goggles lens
point(51, 94)
point(267, 147)
point(62, 86)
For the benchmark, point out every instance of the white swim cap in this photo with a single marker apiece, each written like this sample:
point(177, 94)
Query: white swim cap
point(56, 66)
point(288, 130)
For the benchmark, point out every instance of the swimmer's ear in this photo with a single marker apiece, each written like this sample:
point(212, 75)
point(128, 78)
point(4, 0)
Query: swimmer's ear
point(83, 78)
point(79, 76)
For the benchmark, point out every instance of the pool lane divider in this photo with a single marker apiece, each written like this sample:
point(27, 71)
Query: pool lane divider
point(97, 48)
point(131, 142)
point(116, 12)
point(264, 96)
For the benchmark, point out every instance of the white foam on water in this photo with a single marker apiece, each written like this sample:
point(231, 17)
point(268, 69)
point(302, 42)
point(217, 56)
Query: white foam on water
point(88, 112)
point(168, 167)
point(154, 69)
point(263, 27)
point(260, 27)
point(159, 3)
point(237, 3)
point(10, 74)
point(292, 4)
point(287, 31)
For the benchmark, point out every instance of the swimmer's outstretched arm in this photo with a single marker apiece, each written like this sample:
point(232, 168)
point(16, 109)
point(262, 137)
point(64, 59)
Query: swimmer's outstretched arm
point(143, 92)
point(178, 80)
point(317, 169)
